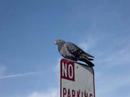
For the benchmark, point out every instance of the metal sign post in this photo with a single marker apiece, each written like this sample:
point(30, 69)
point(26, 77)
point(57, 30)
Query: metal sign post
point(76, 79)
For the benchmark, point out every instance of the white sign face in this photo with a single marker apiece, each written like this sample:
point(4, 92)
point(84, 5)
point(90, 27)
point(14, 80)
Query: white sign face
point(76, 80)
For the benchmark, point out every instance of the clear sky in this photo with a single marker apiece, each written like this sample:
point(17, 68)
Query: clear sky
point(29, 59)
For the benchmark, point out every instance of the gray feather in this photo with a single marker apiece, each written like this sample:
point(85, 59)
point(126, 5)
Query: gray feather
point(71, 51)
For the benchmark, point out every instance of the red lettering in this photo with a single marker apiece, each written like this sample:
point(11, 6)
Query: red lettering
point(70, 71)
point(85, 94)
point(73, 93)
point(67, 69)
point(64, 92)
point(78, 93)
point(69, 95)
point(82, 94)
point(90, 95)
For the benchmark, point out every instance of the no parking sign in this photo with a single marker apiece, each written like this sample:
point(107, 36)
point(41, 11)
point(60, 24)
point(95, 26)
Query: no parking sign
point(76, 79)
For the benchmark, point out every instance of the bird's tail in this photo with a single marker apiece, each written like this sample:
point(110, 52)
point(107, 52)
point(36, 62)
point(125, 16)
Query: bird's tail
point(89, 63)
point(87, 60)
point(84, 56)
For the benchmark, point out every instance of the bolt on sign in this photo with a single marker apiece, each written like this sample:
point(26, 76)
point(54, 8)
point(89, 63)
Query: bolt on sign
point(76, 79)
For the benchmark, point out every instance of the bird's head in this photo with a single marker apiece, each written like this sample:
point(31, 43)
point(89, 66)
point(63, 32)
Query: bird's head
point(59, 42)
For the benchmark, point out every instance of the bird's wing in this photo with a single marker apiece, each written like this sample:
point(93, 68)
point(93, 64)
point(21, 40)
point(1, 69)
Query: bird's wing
point(74, 49)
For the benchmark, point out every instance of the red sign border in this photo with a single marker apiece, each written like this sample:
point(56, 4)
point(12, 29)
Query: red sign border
point(67, 62)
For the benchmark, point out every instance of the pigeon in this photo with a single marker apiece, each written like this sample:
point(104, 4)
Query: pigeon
point(71, 51)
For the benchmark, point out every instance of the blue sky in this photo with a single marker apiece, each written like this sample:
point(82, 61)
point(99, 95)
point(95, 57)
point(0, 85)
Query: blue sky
point(29, 59)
